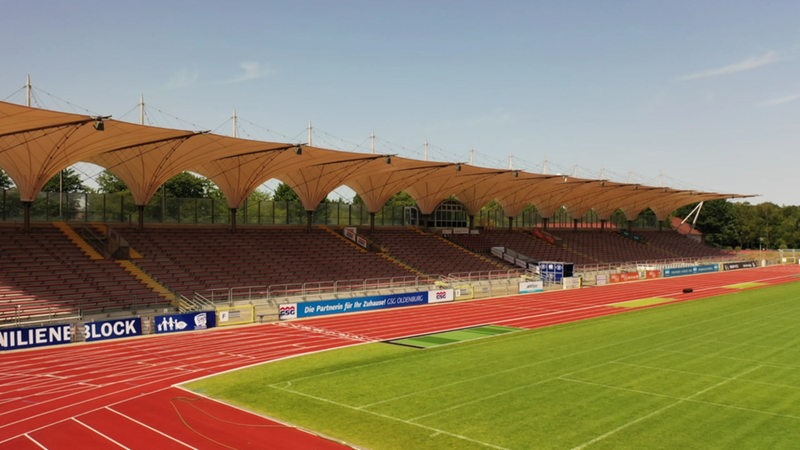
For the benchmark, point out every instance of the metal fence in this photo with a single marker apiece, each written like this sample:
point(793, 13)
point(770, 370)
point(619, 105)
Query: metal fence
point(121, 208)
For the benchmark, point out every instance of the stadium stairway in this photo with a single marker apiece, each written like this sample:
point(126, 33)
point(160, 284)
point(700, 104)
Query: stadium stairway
point(405, 266)
point(584, 255)
point(131, 268)
point(340, 236)
point(382, 254)
point(469, 252)
point(149, 281)
point(78, 240)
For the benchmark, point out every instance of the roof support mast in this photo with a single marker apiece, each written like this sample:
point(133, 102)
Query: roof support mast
point(27, 205)
point(141, 109)
point(695, 212)
point(232, 211)
point(28, 89)
point(235, 121)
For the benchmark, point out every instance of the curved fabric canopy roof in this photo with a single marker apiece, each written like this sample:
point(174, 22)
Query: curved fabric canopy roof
point(35, 144)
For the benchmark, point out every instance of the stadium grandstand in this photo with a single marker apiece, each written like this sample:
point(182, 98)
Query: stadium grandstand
point(81, 256)
point(232, 281)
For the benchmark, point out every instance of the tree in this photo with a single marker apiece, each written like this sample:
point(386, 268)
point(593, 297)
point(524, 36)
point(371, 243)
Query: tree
point(67, 181)
point(188, 185)
point(259, 196)
point(5, 180)
point(789, 228)
point(716, 221)
point(109, 183)
point(284, 193)
point(399, 199)
point(746, 230)
point(402, 198)
point(768, 218)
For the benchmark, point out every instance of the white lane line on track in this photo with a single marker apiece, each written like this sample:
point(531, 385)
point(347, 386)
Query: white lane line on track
point(326, 331)
point(108, 408)
point(97, 432)
point(209, 369)
point(85, 400)
point(30, 438)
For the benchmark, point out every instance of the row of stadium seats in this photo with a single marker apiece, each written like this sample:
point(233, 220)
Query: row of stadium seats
point(589, 246)
point(196, 260)
point(429, 253)
point(44, 273)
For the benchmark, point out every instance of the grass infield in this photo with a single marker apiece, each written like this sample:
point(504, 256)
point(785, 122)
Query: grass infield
point(723, 372)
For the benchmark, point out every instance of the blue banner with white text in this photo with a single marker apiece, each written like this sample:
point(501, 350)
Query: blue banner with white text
point(17, 338)
point(112, 329)
point(339, 306)
point(690, 270)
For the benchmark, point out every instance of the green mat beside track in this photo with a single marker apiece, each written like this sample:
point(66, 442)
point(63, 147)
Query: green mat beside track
point(449, 337)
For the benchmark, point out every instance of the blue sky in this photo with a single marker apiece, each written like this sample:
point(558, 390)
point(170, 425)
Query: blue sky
point(688, 94)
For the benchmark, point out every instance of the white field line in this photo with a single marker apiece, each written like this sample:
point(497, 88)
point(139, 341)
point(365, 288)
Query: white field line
point(29, 359)
point(758, 365)
point(689, 398)
point(279, 423)
point(432, 429)
point(416, 419)
point(471, 379)
point(663, 408)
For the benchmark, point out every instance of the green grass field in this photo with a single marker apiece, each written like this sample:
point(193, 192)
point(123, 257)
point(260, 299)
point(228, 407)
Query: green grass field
point(716, 373)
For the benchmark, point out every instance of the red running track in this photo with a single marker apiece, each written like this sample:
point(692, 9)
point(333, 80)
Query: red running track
point(122, 394)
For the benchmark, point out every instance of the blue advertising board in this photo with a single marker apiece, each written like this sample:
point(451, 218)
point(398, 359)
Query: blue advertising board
point(173, 323)
point(112, 329)
point(18, 338)
point(339, 306)
point(690, 270)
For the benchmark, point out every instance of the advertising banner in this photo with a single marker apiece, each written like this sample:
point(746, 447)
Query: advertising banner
point(112, 329)
point(651, 274)
point(624, 276)
point(571, 282)
point(287, 311)
point(17, 338)
point(463, 292)
point(739, 265)
point(172, 323)
point(319, 308)
point(235, 315)
point(440, 296)
point(690, 270)
point(526, 287)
